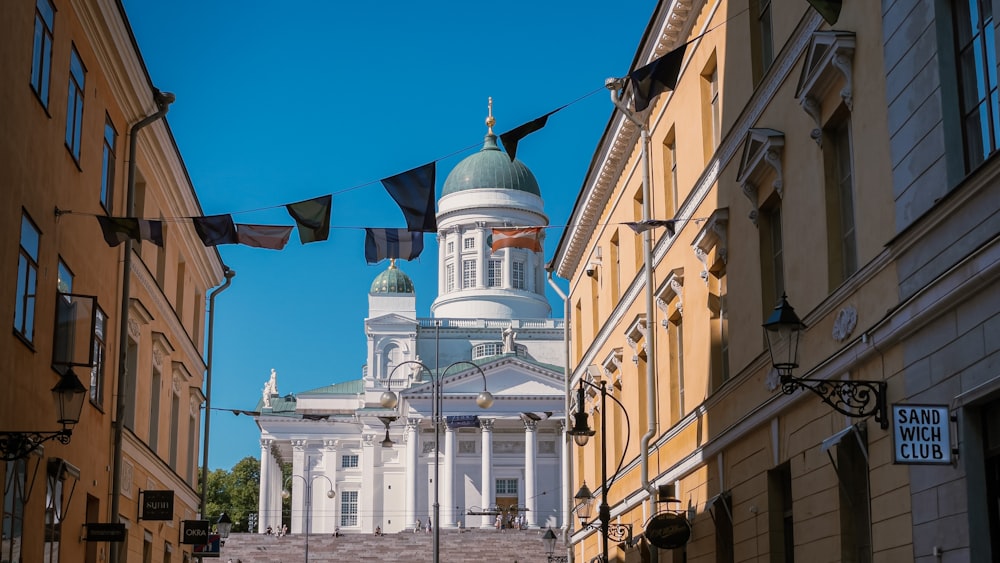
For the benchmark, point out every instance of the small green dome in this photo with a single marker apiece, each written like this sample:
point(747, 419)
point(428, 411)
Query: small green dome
point(393, 280)
point(490, 168)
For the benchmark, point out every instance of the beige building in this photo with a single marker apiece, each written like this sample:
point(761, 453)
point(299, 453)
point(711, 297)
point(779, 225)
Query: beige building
point(74, 86)
point(851, 167)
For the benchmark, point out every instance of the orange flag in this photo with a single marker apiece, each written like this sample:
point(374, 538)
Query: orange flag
point(524, 237)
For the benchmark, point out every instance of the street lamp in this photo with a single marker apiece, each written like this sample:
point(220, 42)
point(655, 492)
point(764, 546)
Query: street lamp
point(854, 398)
point(549, 541)
point(581, 433)
point(68, 395)
point(223, 526)
point(484, 400)
point(286, 494)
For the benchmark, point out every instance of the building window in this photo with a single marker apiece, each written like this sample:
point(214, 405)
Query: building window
point(349, 508)
point(772, 257)
point(41, 58)
point(100, 347)
point(468, 274)
point(506, 487)
point(27, 280)
point(487, 349)
point(64, 278)
point(977, 78)
point(192, 449)
point(517, 275)
point(108, 165)
point(154, 409)
point(761, 38)
point(670, 174)
point(349, 461)
point(14, 499)
point(175, 422)
point(469, 243)
point(855, 504)
point(991, 454)
point(722, 514)
point(675, 346)
point(451, 247)
point(449, 277)
point(180, 284)
point(74, 104)
point(132, 353)
point(781, 536)
point(711, 107)
point(840, 204)
point(719, 321)
point(54, 512)
point(495, 273)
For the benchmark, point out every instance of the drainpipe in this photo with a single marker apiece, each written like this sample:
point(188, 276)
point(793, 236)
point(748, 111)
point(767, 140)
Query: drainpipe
point(616, 85)
point(230, 274)
point(163, 101)
point(567, 467)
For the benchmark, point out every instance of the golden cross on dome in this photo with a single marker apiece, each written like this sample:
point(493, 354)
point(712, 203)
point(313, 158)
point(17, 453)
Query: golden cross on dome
point(489, 119)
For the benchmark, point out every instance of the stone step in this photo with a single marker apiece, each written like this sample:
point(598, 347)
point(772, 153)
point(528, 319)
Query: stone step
point(523, 546)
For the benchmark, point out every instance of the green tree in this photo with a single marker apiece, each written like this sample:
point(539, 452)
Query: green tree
point(234, 492)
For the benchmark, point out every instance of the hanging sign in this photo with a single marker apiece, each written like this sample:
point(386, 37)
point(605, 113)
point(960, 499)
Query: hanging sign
point(921, 434)
point(668, 530)
point(157, 505)
point(100, 531)
point(194, 532)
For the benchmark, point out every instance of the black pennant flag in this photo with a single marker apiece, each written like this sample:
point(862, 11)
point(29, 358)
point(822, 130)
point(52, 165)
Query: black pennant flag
point(215, 229)
point(413, 191)
point(510, 138)
point(657, 77)
point(312, 217)
point(829, 9)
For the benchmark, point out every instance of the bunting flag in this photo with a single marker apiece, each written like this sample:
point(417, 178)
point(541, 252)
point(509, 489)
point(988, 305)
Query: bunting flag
point(215, 229)
point(829, 9)
point(413, 191)
point(120, 229)
point(392, 243)
point(312, 217)
point(273, 237)
point(523, 237)
point(657, 77)
point(643, 226)
point(510, 138)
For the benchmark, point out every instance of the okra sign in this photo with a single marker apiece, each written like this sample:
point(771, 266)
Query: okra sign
point(921, 434)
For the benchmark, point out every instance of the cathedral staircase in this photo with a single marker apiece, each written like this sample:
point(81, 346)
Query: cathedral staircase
point(509, 546)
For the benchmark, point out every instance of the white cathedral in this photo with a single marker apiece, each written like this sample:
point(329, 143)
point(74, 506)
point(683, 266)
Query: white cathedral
point(361, 461)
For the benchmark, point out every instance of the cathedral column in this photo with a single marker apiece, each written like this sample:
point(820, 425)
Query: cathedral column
point(486, 429)
point(264, 495)
point(412, 456)
point(366, 498)
point(482, 255)
point(442, 239)
point(448, 480)
point(298, 486)
point(530, 454)
point(508, 268)
point(330, 470)
point(529, 272)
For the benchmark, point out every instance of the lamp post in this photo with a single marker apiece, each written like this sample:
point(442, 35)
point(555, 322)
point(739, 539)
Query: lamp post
point(223, 526)
point(581, 433)
point(329, 494)
point(68, 395)
point(549, 541)
point(854, 398)
point(484, 400)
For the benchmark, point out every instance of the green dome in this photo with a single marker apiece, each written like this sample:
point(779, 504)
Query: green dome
point(490, 168)
point(392, 280)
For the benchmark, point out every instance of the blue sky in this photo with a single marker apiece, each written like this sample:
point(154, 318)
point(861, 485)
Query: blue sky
point(281, 102)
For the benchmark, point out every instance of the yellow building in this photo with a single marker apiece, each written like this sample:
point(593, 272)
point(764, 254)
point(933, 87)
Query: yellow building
point(850, 166)
point(74, 87)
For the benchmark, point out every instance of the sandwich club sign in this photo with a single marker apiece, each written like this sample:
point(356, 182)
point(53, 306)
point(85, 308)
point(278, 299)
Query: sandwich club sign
point(921, 434)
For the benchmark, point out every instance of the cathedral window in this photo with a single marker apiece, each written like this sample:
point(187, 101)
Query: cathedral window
point(468, 274)
point(449, 277)
point(349, 461)
point(517, 277)
point(495, 273)
point(469, 243)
